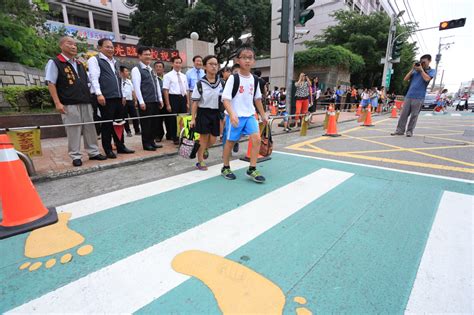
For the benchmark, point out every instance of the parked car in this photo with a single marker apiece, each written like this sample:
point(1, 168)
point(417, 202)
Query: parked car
point(430, 102)
point(470, 103)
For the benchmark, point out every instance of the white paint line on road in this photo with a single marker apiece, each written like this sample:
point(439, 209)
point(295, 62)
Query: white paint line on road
point(443, 283)
point(130, 284)
point(378, 167)
point(428, 115)
point(106, 201)
point(456, 115)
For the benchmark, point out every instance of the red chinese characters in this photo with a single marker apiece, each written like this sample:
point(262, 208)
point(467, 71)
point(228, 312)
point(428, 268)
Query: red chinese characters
point(127, 50)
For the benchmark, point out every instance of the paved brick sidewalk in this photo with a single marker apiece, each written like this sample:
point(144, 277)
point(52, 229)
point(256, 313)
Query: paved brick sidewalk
point(55, 161)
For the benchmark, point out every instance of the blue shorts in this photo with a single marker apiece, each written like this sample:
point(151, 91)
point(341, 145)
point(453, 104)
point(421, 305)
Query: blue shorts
point(285, 114)
point(247, 126)
point(365, 103)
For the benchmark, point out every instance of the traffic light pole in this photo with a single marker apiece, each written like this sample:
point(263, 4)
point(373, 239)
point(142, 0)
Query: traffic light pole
point(387, 64)
point(290, 56)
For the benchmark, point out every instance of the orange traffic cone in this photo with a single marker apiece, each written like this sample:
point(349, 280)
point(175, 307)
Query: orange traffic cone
point(368, 118)
point(394, 112)
point(23, 210)
point(359, 110)
point(273, 110)
point(331, 131)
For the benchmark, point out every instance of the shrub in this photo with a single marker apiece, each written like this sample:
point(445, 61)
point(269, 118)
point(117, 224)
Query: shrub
point(34, 97)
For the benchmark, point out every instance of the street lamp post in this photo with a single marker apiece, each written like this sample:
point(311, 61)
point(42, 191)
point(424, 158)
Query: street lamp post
point(438, 58)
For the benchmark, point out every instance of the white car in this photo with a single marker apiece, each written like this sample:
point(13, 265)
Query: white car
point(470, 103)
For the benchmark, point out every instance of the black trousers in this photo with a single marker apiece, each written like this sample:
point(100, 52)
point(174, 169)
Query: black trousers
point(113, 109)
point(178, 106)
point(149, 125)
point(130, 110)
point(95, 113)
point(160, 121)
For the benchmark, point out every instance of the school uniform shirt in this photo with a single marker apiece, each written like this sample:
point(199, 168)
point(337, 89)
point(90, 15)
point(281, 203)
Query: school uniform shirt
point(127, 89)
point(211, 93)
point(171, 83)
point(242, 103)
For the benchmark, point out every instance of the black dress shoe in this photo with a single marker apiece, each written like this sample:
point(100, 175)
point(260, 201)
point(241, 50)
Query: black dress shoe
point(156, 146)
point(98, 157)
point(125, 150)
point(158, 139)
point(149, 148)
point(396, 134)
point(77, 162)
point(111, 155)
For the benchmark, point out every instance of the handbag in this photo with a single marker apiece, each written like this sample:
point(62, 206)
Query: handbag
point(266, 144)
point(188, 147)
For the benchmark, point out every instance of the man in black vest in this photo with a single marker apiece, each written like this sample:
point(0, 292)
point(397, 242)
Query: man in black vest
point(148, 92)
point(159, 67)
point(67, 84)
point(107, 83)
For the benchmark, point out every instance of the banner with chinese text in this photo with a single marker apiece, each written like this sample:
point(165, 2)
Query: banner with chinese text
point(26, 141)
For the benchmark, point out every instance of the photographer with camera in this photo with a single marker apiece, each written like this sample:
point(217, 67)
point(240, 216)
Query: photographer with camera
point(419, 76)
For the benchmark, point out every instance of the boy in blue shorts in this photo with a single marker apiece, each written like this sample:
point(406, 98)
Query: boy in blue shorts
point(240, 93)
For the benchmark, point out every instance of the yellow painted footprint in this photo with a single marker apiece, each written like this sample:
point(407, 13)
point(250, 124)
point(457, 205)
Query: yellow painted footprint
point(236, 288)
point(51, 240)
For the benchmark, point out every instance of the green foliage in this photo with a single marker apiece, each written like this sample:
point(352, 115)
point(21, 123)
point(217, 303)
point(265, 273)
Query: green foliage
point(330, 55)
point(156, 22)
point(366, 36)
point(23, 37)
point(215, 21)
point(34, 97)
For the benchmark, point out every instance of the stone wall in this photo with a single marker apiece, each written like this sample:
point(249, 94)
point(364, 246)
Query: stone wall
point(16, 74)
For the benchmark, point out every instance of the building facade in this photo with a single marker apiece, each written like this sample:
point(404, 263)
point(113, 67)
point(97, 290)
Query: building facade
point(94, 19)
point(316, 26)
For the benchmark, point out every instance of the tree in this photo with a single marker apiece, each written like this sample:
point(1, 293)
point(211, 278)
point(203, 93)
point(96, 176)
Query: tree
point(156, 22)
point(225, 21)
point(23, 36)
point(329, 56)
point(365, 35)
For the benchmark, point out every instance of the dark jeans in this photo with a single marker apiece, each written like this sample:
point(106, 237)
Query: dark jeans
point(113, 109)
point(149, 125)
point(131, 111)
point(178, 106)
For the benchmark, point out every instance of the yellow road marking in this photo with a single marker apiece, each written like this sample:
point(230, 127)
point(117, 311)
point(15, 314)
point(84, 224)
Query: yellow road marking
point(420, 135)
point(401, 162)
point(455, 140)
point(406, 149)
point(417, 152)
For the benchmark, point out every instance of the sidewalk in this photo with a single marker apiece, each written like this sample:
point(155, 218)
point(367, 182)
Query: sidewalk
point(55, 162)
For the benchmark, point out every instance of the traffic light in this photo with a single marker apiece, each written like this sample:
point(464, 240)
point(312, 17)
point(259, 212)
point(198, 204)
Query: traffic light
point(284, 22)
point(397, 49)
point(302, 13)
point(446, 25)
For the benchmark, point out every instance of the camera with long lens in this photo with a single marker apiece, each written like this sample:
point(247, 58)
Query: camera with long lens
point(417, 64)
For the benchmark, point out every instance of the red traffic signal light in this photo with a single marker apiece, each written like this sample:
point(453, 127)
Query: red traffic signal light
point(446, 25)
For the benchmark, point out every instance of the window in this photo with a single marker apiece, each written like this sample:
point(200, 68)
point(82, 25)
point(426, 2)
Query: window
point(350, 3)
point(102, 22)
point(356, 8)
point(78, 17)
point(55, 13)
point(125, 27)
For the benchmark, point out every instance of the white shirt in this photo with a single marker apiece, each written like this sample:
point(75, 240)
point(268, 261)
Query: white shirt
point(242, 103)
point(127, 89)
point(171, 83)
point(365, 95)
point(210, 94)
point(137, 82)
point(94, 70)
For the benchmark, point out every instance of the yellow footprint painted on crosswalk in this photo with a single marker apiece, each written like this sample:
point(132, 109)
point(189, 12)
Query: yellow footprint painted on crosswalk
point(51, 240)
point(236, 288)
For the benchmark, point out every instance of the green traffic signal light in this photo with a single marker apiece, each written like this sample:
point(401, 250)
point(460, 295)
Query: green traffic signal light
point(284, 22)
point(397, 49)
point(302, 13)
point(446, 25)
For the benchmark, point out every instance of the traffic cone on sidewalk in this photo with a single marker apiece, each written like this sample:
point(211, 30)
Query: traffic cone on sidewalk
point(22, 207)
point(331, 130)
point(368, 118)
point(359, 110)
point(260, 158)
point(394, 112)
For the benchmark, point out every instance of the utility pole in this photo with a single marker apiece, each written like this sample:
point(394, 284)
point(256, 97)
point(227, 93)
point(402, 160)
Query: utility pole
point(290, 55)
point(438, 58)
